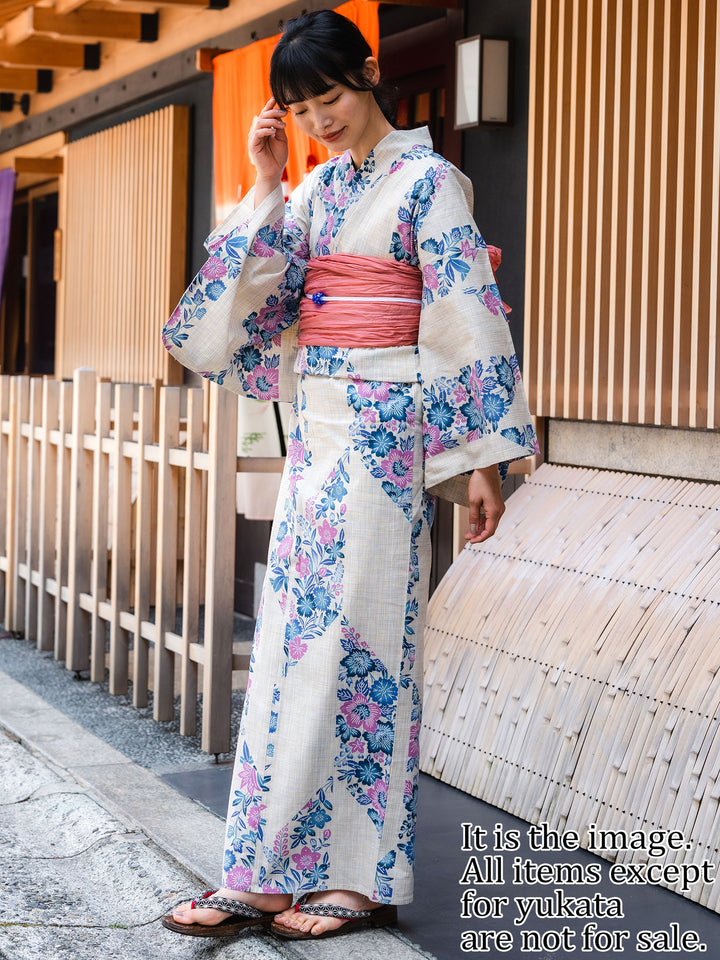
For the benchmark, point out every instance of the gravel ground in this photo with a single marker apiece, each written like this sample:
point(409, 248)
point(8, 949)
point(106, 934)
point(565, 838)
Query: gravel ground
point(154, 745)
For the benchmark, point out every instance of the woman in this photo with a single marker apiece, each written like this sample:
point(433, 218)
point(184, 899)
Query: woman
point(403, 380)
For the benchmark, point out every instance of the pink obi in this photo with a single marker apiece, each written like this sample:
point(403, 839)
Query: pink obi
point(357, 301)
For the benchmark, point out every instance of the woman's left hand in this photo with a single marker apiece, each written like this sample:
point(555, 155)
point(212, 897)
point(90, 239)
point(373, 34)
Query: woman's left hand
point(486, 503)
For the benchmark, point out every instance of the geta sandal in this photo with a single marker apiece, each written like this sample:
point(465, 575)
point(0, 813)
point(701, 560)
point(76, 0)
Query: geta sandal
point(382, 916)
point(243, 916)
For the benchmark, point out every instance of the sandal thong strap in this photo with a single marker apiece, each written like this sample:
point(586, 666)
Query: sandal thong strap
point(331, 910)
point(210, 902)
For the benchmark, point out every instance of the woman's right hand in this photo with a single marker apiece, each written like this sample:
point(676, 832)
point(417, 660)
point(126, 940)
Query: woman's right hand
point(267, 144)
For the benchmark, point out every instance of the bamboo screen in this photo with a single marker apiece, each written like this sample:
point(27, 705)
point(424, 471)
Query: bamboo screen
point(623, 207)
point(123, 222)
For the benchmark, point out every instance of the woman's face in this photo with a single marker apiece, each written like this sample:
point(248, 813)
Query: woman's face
point(340, 118)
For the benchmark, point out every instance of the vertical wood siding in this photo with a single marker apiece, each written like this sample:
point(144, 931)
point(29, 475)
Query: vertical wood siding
point(623, 207)
point(123, 223)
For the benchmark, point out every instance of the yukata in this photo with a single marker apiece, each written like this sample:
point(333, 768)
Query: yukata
point(324, 789)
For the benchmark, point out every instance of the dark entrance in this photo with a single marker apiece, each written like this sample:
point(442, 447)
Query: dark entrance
point(27, 340)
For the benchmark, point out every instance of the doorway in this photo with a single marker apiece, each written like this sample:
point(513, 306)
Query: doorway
point(27, 318)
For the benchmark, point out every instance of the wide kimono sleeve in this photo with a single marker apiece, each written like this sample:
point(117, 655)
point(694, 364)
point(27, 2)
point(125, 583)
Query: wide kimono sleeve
point(474, 408)
point(235, 322)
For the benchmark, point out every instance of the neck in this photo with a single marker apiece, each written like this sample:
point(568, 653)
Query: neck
point(377, 128)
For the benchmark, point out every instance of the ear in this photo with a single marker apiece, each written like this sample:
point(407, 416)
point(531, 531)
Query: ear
point(371, 70)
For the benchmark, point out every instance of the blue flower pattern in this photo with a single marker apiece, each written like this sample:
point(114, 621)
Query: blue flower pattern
point(264, 326)
point(309, 586)
point(471, 405)
point(246, 822)
point(365, 724)
point(299, 859)
point(383, 434)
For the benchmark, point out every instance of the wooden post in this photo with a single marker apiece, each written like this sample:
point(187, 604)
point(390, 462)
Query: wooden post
point(48, 514)
point(143, 533)
point(98, 570)
point(32, 517)
point(219, 582)
point(191, 565)
point(17, 502)
point(4, 493)
point(166, 564)
point(80, 521)
point(63, 519)
point(120, 582)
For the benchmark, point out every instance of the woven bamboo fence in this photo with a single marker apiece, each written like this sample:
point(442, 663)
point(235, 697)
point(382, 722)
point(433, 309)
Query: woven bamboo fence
point(117, 537)
point(572, 663)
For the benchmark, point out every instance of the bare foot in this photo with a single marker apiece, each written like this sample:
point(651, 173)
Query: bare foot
point(307, 923)
point(185, 913)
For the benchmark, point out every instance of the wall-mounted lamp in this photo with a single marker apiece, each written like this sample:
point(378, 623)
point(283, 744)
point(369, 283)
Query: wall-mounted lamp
point(483, 78)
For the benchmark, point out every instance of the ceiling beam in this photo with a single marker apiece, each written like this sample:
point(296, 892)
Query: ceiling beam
point(47, 165)
point(82, 25)
point(25, 79)
point(51, 54)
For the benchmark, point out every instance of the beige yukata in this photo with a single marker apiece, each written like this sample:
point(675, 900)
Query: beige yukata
point(325, 784)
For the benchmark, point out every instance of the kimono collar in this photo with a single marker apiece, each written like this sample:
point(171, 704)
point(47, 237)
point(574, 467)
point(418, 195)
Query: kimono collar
point(390, 148)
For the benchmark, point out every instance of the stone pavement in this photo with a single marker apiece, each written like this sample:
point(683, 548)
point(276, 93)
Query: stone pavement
point(94, 849)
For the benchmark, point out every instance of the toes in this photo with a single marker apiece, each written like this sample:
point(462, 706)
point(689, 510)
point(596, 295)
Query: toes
point(285, 916)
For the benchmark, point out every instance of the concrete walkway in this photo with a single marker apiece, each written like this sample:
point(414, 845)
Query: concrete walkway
point(94, 849)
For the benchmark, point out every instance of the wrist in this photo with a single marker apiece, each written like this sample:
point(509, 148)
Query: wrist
point(263, 189)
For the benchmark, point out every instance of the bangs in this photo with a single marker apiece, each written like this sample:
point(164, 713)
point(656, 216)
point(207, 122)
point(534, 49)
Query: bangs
point(295, 74)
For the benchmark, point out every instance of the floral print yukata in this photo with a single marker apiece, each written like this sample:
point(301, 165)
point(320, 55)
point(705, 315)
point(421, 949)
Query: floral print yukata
point(324, 789)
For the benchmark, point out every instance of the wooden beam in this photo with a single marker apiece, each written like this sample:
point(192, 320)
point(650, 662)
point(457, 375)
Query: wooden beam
point(67, 6)
point(46, 165)
point(445, 4)
point(10, 8)
point(25, 80)
point(44, 147)
point(207, 4)
point(82, 25)
point(204, 58)
point(51, 54)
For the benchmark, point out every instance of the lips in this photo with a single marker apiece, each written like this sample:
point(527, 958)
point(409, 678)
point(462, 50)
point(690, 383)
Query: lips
point(330, 137)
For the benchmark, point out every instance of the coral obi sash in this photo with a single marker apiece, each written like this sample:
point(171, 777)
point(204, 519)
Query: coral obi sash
point(357, 301)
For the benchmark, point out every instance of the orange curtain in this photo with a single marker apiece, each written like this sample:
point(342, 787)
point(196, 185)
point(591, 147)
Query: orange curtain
point(241, 89)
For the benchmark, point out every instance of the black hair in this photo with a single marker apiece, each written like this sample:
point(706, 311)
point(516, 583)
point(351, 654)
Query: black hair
point(317, 51)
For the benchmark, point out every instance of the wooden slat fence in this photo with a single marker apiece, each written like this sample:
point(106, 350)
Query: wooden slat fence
point(117, 511)
point(623, 225)
point(123, 221)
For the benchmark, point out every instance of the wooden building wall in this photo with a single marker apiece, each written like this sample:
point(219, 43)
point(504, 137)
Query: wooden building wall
point(623, 211)
point(123, 224)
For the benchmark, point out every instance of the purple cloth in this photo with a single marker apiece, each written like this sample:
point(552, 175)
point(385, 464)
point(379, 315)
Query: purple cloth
point(7, 188)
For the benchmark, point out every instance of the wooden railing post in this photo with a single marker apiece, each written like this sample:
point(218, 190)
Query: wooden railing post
point(120, 567)
point(167, 543)
point(4, 493)
point(98, 570)
point(17, 501)
point(143, 541)
point(219, 580)
point(191, 565)
point(33, 532)
point(80, 521)
point(48, 514)
point(62, 525)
